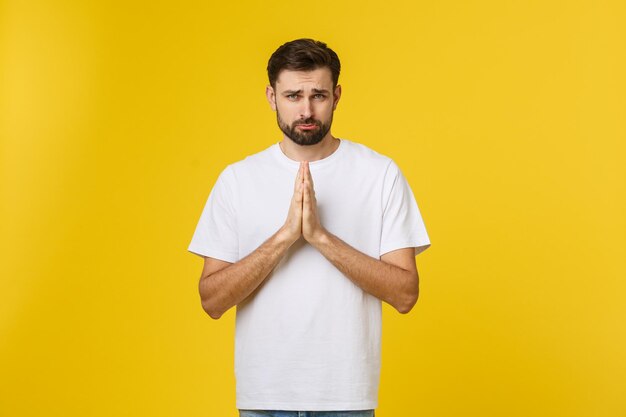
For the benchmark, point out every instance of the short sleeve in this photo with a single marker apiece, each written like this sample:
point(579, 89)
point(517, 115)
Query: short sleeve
point(216, 232)
point(402, 225)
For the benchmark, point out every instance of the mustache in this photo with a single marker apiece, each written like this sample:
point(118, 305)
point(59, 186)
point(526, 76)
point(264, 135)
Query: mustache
point(308, 121)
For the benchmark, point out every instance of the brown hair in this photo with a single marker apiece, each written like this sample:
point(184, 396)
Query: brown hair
point(303, 55)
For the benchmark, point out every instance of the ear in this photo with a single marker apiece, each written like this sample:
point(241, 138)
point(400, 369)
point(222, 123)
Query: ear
point(336, 96)
point(271, 97)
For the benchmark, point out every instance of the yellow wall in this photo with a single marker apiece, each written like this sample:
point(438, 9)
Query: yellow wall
point(508, 118)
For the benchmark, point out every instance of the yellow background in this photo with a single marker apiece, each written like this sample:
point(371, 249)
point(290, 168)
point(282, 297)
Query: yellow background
point(508, 119)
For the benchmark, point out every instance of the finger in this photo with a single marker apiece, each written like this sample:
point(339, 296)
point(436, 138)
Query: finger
point(299, 178)
point(307, 198)
point(309, 182)
point(298, 193)
point(307, 186)
point(309, 176)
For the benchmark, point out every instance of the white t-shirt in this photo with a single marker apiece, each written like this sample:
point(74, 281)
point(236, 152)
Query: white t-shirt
point(309, 338)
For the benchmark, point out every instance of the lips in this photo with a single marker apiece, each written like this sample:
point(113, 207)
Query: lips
point(307, 127)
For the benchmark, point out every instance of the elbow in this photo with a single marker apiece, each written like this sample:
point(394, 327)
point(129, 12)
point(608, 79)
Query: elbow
point(404, 310)
point(409, 299)
point(208, 303)
point(407, 305)
point(211, 310)
point(214, 315)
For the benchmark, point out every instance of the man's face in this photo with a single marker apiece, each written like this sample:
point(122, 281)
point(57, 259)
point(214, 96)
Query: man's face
point(304, 102)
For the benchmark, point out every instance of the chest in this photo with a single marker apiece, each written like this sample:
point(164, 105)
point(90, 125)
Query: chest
point(349, 205)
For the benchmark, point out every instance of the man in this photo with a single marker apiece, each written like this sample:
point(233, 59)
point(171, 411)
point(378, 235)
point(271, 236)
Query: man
point(306, 238)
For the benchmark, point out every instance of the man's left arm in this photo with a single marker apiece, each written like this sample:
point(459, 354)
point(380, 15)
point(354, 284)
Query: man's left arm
point(393, 279)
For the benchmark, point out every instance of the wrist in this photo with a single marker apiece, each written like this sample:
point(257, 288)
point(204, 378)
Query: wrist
point(285, 237)
point(320, 238)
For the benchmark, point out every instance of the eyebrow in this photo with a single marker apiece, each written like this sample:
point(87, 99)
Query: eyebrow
point(315, 90)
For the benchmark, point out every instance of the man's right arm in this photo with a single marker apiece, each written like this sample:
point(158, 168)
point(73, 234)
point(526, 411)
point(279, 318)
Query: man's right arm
point(224, 284)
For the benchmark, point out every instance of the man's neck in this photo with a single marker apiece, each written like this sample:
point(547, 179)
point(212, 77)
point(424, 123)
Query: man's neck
point(309, 153)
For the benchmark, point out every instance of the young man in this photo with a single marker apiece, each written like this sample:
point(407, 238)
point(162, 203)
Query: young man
point(306, 238)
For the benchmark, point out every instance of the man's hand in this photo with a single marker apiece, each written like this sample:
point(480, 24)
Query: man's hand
point(312, 229)
point(302, 218)
point(292, 229)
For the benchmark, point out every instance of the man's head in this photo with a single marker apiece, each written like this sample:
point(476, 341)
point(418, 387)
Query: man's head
point(303, 90)
point(303, 55)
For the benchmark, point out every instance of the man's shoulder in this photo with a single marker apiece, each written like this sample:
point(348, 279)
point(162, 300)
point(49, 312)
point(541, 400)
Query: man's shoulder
point(365, 155)
point(253, 160)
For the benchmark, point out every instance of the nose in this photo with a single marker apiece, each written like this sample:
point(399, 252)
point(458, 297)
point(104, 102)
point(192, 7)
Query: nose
point(306, 109)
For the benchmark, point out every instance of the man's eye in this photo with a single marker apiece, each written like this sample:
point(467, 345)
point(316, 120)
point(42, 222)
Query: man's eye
point(292, 96)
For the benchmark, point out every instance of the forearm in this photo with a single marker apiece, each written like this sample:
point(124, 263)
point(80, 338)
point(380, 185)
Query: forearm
point(394, 285)
point(229, 286)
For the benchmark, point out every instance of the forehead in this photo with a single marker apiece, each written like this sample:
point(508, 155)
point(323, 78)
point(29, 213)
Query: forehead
point(320, 78)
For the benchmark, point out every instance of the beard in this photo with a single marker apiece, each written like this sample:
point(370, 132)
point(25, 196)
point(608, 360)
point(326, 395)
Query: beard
point(305, 137)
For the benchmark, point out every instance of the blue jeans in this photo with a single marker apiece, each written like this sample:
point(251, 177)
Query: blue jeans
point(278, 413)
